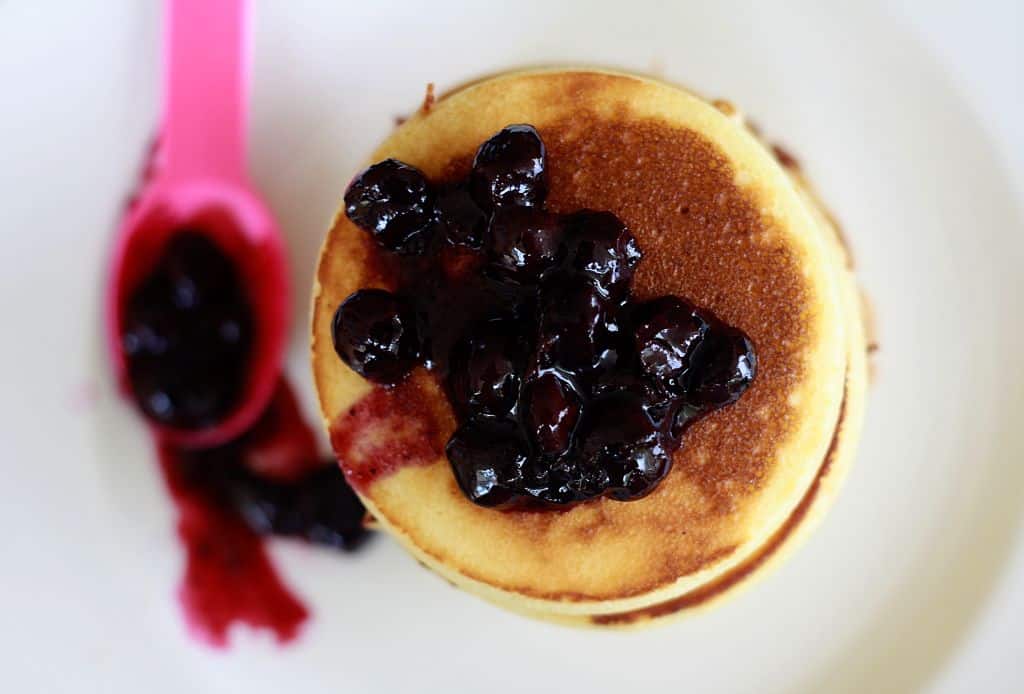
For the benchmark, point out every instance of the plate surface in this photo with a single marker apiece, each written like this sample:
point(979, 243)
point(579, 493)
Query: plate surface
point(881, 598)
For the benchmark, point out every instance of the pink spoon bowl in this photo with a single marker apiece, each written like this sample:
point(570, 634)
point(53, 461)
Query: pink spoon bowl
point(200, 183)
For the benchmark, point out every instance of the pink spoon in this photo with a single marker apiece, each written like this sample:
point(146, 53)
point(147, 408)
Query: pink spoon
point(200, 181)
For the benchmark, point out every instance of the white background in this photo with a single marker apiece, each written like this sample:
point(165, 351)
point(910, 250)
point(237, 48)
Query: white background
point(981, 44)
point(916, 579)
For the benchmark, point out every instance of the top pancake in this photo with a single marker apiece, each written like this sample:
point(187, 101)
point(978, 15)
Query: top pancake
point(720, 224)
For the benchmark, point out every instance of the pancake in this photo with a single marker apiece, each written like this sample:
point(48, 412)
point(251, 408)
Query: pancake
point(721, 223)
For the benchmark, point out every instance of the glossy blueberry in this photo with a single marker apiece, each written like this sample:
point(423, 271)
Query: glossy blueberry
point(566, 480)
point(552, 406)
point(485, 370)
point(722, 367)
point(523, 244)
point(509, 169)
point(574, 327)
point(374, 333)
point(620, 436)
point(152, 326)
point(488, 460)
point(667, 330)
point(198, 271)
point(319, 507)
point(604, 249)
point(395, 204)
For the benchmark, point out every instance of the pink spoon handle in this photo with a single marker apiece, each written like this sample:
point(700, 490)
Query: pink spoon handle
point(205, 85)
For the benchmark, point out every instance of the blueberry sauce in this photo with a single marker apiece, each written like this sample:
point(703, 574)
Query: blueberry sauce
point(187, 338)
point(386, 429)
point(270, 481)
point(229, 577)
point(564, 386)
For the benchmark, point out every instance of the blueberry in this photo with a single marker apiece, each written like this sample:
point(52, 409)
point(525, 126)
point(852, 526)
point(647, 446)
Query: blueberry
point(319, 507)
point(232, 328)
point(488, 460)
point(374, 333)
point(198, 271)
point(327, 511)
point(722, 367)
point(575, 330)
point(635, 471)
point(523, 244)
point(567, 480)
point(604, 249)
point(620, 436)
point(225, 328)
point(552, 406)
point(158, 399)
point(485, 368)
point(263, 505)
point(509, 169)
point(395, 204)
point(461, 219)
point(206, 394)
point(667, 330)
point(152, 326)
point(179, 395)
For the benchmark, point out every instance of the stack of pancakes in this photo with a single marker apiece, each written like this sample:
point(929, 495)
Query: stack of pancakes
point(722, 222)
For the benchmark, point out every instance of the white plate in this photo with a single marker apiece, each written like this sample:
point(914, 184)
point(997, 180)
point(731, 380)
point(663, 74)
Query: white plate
point(879, 599)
